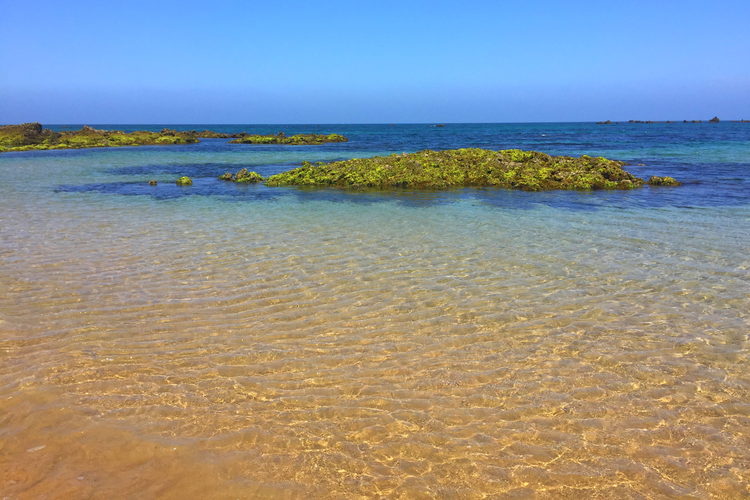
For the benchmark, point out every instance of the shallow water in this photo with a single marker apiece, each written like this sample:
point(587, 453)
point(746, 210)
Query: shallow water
point(225, 341)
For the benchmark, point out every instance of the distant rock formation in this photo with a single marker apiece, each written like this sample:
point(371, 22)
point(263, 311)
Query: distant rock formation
point(32, 136)
point(293, 140)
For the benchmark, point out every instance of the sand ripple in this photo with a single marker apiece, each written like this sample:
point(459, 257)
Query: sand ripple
point(294, 349)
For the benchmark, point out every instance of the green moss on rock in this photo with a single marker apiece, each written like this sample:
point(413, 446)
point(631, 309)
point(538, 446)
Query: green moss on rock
point(294, 140)
point(184, 181)
point(248, 177)
point(663, 181)
point(243, 175)
point(32, 136)
point(513, 169)
point(210, 134)
point(16, 136)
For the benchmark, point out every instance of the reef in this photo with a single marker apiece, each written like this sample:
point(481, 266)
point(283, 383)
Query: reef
point(210, 134)
point(32, 136)
point(184, 181)
point(26, 134)
point(294, 140)
point(663, 181)
point(715, 119)
point(512, 169)
point(243, 176)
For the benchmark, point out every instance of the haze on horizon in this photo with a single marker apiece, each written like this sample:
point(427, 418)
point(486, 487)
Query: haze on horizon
point(339, 62)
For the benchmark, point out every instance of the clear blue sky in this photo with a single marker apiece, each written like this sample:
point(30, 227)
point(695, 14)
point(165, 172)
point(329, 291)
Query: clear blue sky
point(372, 61)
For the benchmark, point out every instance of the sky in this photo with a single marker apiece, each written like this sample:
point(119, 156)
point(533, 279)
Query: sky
point(373, 61)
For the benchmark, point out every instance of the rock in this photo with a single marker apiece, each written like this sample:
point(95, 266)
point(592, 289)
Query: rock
point(512, 169)
point(26, 134)
point(715, 119)
point(248, 177)
point(243, 175)
point(663, 181)
point(605, 122)
point(184, 181)
point(294, 140)
point(210, 134)
point(30, 136)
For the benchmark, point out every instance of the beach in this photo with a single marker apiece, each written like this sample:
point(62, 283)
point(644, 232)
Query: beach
point(224, 340)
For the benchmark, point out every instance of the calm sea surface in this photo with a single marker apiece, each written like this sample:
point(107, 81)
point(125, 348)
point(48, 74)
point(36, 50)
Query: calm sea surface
point(234, 341)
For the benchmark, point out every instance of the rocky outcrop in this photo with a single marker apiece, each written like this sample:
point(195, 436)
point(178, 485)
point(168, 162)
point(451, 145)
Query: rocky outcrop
point(243, 176)
point(30, 136)
point(210, 134)
point(25, 134)
point(663, 181)
point(513, 169)
point(294, 140)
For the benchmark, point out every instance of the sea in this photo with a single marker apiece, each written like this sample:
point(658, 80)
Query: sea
point(240, 341)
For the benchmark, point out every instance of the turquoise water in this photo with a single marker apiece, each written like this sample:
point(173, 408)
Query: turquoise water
point(228, 340)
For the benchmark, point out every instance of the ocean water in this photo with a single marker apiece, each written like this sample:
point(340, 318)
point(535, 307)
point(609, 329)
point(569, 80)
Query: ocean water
point(228, 341)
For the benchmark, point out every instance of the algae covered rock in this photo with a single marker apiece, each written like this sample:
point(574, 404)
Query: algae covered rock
point(247, 176)
point(31, 136)
point(26, 134)
point(294, 140)
point(663, 181)
point(243, 176)
point(184, 181)
point(471, 167)
point(210, 134)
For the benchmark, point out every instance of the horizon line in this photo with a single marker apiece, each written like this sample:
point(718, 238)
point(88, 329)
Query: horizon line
point(602, 122)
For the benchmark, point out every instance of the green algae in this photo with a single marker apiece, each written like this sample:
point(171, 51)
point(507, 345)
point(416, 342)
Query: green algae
point(32, 136)
point(247, 177)
point(663, 181)
point(25, 134)
point(294, 140)
point(210, 134)
point(184, 181)
point(243, 176)
point(471, 167)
